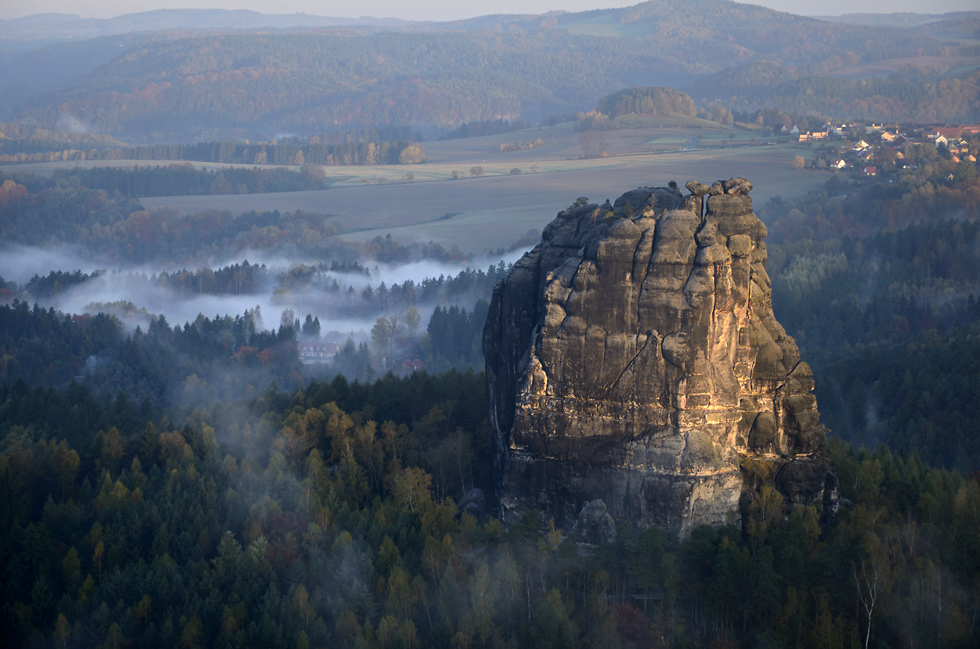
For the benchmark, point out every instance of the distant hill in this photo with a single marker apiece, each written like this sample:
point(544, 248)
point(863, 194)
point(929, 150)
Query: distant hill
point(900, 19)
point(53, 26)
point(215, 77)
point(249, 85)
point(45, 51)
point(906, 95)
point(646, 101)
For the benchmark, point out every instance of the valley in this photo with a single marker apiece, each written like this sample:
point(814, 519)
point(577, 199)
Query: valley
point(320, 332)
point(493, 210)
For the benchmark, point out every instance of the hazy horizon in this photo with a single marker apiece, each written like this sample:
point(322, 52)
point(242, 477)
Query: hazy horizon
point(440, 10)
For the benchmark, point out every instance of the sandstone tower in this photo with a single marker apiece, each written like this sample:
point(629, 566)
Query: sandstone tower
point(632, 357)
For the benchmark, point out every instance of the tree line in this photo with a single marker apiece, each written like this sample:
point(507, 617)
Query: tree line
point(185, 180)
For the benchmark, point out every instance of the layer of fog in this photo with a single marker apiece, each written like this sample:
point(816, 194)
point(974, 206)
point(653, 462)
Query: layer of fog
point(134, 295)
point(21, 263)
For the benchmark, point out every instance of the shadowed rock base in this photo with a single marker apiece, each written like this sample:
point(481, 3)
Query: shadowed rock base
point(633, 358)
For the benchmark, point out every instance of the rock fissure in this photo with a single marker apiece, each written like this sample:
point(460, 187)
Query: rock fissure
point(629, 367)
point(586, 410)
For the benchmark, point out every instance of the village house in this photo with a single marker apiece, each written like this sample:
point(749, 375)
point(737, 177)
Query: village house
point(317, 352)
point(812, 137)
point(946, 132)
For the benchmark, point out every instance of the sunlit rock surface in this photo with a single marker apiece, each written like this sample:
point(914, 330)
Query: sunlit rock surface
point(632, 357)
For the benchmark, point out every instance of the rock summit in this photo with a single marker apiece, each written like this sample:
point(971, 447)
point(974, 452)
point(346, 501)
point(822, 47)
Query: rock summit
point(632, 358)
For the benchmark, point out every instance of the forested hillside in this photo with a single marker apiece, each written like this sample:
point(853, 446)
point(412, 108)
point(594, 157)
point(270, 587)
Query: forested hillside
point(316, 82)
point(179, 87)
point(908, 95)
point(722, 32)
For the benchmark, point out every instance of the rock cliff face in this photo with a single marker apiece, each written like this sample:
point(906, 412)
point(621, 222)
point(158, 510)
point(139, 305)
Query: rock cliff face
point(633, 358)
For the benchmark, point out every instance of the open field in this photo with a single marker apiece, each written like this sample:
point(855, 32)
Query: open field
point(422, 203)
point(637, 134)
point(493, 211)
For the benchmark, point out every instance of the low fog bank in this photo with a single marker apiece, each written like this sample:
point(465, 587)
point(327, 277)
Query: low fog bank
point(20, 263)
point(346, 300)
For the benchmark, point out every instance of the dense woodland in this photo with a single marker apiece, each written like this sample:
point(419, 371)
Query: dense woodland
point(909, 95)
point(327, 517)
point(163, 365)
point(318, 82)
point(372, 146)
point(647, 101)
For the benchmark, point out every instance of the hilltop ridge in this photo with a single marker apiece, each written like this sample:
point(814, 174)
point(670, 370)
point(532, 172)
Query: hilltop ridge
point(185, 76)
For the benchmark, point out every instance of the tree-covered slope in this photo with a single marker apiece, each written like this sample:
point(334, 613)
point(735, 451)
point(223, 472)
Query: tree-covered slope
point(726, 32)
point(908, 95)
point(318, 82)
point(246, 84)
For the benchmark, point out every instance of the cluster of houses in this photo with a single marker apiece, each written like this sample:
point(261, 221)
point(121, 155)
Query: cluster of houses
point(954, 139)
point(863, 155)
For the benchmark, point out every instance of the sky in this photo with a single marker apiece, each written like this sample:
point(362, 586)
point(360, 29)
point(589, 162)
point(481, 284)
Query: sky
point(444, 9)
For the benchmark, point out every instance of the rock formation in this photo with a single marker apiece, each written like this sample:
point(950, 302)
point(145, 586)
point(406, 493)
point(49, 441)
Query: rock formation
point(632, 357)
